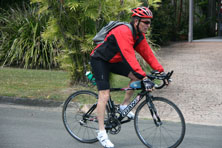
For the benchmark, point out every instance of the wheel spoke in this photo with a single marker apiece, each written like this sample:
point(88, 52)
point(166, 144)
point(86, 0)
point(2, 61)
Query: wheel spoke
point(169, 134)
point(81, 129)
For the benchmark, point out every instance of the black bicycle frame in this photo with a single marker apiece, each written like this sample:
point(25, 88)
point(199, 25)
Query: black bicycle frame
point(133, 103)
point(153, 111)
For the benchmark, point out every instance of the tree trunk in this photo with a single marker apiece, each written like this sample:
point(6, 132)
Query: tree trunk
point(98, 21)
point(211, 16)
point(62, 1)
point(121, 13)
point(180, 14)
point(220, 18)
point(174, 2)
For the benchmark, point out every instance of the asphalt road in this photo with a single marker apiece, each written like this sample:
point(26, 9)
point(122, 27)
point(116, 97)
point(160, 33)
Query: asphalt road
point(41, 127)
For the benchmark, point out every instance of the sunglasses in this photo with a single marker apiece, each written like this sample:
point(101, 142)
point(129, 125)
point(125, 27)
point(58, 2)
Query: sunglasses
point(146, 22)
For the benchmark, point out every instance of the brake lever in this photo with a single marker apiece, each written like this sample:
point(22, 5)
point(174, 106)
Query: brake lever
point(168, 76)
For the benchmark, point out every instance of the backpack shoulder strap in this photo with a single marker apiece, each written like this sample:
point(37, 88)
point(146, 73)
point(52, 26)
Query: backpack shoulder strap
point(100, 36)
point(141, 37)
point(130, 26)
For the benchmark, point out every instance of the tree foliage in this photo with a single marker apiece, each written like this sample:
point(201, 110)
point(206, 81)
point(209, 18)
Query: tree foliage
point(77, 22)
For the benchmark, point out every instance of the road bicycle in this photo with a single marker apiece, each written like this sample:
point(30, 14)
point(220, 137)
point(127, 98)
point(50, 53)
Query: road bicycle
point(158, 122)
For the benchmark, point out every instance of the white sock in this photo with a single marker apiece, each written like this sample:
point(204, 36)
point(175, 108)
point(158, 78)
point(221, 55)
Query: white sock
point(102, 132)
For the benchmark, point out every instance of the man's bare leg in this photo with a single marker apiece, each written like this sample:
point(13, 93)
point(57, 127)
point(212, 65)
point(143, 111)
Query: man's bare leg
point(101, 107)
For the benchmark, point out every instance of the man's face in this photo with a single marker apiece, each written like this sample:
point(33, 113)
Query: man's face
point(144, 24)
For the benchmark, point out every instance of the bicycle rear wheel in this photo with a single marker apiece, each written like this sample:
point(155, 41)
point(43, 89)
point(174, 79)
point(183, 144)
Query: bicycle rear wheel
point(80, 125)
point(171, 131)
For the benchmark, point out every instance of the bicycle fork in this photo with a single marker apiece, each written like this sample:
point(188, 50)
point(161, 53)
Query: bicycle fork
point(153, 111)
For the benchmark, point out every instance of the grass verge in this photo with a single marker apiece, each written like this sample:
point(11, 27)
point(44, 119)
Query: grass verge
point(41, 84)
point(47, 84)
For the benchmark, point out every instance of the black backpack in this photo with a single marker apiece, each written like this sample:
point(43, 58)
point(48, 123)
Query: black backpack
point(100, 36)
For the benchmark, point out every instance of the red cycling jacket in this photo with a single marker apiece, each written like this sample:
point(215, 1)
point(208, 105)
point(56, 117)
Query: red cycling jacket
point(120, 45)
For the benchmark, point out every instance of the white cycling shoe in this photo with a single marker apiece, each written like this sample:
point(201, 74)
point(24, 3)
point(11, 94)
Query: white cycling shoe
point(130, 115)
point(104, 140)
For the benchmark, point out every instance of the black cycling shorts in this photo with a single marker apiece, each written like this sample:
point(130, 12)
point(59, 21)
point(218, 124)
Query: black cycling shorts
point(101, 70)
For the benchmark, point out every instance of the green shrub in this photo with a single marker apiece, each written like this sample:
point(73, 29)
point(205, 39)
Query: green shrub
point(21, 41)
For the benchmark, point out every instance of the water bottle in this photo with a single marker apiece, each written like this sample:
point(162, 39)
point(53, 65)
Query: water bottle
point(90, 77)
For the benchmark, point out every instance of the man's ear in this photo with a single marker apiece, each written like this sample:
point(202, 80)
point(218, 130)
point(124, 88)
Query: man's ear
point(136, 21)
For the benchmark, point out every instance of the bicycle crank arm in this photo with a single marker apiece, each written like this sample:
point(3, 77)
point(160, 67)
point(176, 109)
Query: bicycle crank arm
point(125, 121)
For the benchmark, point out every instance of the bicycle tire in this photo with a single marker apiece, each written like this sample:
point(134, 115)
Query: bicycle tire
point(72, 115)
point(172, 131)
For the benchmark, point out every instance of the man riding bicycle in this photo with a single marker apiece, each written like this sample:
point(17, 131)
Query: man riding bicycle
point(117, 55)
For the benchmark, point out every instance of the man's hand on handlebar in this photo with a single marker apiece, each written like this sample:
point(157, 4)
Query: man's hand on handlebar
point(148, 84)
point(162, 76)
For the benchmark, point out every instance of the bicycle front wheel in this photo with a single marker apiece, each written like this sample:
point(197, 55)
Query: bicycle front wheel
point(170, 130)
point(79, 119)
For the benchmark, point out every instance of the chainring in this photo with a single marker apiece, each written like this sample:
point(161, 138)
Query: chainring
point(116, 126)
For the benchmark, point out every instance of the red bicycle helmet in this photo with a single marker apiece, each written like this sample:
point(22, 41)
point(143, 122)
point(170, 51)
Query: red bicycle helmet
point(142, 12)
